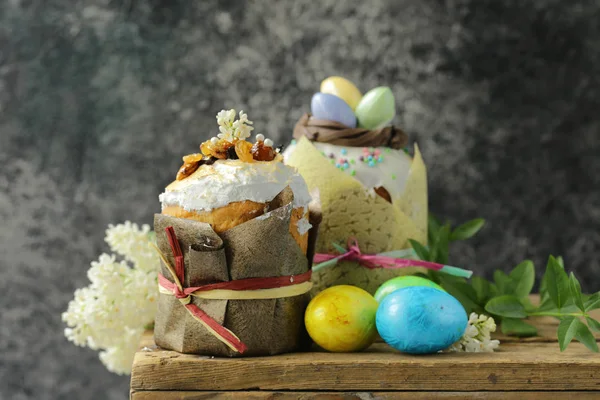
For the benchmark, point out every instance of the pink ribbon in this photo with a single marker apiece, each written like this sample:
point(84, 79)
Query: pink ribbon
point(372, 261)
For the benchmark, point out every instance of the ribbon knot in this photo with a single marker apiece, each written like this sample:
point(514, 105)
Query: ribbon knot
point(183, 299)
point(389, 260)
point(353, 248)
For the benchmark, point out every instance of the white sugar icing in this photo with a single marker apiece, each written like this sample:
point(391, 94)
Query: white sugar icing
point(391, 172)
point(228, 181)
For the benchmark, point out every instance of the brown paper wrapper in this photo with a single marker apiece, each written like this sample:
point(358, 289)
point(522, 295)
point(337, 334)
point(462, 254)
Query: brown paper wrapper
point(325, 131)
point(262, 247)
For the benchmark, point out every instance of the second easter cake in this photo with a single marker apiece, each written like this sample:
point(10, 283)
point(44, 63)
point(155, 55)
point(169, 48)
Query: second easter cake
point(372, 190)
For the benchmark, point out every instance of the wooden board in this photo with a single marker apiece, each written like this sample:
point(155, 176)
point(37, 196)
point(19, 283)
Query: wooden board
point(533, 365)
point(365, 395)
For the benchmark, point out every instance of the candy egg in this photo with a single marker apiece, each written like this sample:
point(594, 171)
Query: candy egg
point(376, 109)
point(342, 319)
point(401, 282)
point(420, 320)
point(330, 107)
point(342, 88)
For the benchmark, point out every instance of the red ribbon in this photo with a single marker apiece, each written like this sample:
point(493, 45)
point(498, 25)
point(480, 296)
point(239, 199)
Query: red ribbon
point(240, 284)
point(374, 260)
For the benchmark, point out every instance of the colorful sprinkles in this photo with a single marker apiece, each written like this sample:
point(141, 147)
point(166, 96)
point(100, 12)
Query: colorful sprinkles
point(370, 157)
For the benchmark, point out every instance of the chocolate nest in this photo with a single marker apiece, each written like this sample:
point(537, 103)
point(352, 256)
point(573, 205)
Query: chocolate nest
point(325, 131)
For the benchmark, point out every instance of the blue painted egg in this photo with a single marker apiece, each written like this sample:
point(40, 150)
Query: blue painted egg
point(420, 320)
point(330, 107)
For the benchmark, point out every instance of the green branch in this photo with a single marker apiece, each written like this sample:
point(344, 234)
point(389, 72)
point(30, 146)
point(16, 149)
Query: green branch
point(506, 298)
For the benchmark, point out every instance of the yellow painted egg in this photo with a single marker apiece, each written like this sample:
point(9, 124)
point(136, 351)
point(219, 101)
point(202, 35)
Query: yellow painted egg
point(342, 319)
point(342, 88)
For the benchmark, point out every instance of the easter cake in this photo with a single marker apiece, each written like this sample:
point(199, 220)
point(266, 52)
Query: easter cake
point(236, 224)
point(233, 181)
point(371, 188)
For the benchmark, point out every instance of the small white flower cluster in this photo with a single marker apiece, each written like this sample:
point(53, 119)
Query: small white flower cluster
point(111, 313)
point(477, 337)
point(231, 128)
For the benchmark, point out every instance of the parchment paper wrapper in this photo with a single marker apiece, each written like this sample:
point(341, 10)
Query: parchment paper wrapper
point(262, 247)
point(350, 211)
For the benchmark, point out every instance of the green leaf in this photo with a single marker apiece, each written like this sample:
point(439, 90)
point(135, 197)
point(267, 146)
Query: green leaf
point(517, 327)
point(585, 297)
point(566, 331)
point(529, 307)
point(433, 225)
point(593, 302)
point(547, 304)
point(585, 336)
point(421, 251)
point(593, 324)
point(482, 289)
point(560, 261)
point(467, 230)
point(503, 282)
point(443, 244)
point(433, 250)
point(494, 290)
point(523, 278)
point(506, 306)
point(557, 282)
point(543, 290)
point(575, 290)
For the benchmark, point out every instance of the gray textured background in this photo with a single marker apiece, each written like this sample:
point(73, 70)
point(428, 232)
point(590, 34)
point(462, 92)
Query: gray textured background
point(99, 99)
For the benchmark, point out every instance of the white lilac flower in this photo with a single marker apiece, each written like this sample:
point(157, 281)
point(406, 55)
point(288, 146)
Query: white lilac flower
point(225, 120)
point(242, 127)
point(131, 242)
point(230, 128)
point(225, 117)
point(477, 336)
point(119, 358)
point(111, 312)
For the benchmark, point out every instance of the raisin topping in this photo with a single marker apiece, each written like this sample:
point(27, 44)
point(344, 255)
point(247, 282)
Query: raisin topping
point(261, 152)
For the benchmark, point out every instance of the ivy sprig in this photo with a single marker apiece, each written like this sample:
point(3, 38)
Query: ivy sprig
point(506, 297)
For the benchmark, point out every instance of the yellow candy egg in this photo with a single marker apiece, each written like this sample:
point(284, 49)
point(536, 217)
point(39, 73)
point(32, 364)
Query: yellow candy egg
point(342, 88)
point(342, 319)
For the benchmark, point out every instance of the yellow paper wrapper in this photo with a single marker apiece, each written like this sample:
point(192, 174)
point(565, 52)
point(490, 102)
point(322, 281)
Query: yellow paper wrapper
point(349, 210)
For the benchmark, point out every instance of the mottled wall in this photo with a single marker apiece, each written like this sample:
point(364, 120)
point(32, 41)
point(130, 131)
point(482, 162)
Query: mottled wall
point(99, 99)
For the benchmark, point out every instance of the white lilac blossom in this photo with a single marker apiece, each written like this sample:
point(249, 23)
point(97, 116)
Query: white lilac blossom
point(477, 336)
point(110, 314)
point(242, 127)
point(230, 128)
point(131, 242)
